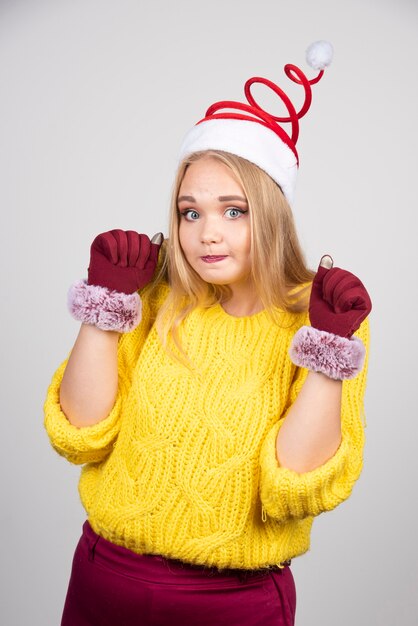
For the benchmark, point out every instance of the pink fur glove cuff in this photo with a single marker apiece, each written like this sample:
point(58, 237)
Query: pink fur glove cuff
point(103, 307)
point(319, 351)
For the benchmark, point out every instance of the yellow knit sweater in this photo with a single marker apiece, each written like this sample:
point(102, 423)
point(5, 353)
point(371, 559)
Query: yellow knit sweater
point(185, 464)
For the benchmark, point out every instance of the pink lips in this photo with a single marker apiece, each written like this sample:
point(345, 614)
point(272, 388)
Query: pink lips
point(212, 258)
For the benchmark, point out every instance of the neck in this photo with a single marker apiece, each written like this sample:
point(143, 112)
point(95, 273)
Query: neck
point(243, 302)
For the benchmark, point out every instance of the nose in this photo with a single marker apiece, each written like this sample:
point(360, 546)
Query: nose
point(210, 233)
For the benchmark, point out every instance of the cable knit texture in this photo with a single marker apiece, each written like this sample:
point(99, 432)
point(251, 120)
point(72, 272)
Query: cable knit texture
point(105, 308)
point(185, 464)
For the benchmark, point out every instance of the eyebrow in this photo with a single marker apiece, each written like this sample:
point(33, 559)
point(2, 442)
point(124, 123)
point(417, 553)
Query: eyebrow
point(220, 198)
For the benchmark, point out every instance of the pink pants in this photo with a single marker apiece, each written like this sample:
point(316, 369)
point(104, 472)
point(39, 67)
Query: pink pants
point(112, 586)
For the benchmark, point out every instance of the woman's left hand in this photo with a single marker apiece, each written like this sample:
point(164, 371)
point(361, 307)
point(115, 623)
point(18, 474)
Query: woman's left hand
point(339, 301)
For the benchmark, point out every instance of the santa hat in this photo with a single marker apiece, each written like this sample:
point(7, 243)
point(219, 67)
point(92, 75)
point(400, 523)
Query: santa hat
point(247, 130)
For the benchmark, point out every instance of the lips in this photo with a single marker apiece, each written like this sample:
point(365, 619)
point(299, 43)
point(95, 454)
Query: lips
point(211, 258)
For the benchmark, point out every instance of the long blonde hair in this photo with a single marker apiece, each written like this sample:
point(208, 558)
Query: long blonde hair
point(278, 267)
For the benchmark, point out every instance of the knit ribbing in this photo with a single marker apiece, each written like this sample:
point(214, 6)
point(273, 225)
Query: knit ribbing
point(184, 471)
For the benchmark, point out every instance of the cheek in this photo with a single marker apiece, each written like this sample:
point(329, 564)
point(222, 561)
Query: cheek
point(243, 239)
point(182, 236)
point(185, 240)
point(248, 242)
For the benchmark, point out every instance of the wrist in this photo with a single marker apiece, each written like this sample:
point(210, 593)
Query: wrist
point(94, 333)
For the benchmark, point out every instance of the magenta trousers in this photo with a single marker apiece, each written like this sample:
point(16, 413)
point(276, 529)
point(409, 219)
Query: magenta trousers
point(112, 586)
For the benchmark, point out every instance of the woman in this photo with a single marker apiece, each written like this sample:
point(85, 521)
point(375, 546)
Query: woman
point(205, 396)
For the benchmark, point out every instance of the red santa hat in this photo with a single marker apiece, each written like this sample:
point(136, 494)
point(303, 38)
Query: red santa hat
point(247, 130)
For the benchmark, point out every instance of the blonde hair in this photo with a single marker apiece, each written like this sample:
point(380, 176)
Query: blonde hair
point(278, 266)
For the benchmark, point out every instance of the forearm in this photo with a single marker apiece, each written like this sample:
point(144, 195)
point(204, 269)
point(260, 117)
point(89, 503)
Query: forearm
point(311, 432)
point(89, 386)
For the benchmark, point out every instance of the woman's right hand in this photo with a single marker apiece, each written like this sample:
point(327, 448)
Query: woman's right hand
point(123, 261)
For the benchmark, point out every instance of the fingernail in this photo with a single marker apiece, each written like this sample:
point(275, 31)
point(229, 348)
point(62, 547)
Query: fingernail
point(158, 239)
point(326, 261)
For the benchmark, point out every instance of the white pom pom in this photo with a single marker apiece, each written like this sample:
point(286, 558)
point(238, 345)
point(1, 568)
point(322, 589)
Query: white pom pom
point(319, 54)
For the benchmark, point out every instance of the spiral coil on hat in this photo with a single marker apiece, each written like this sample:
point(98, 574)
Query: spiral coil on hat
point(258, 147)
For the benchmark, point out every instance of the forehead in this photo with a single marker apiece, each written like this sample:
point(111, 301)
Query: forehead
point(211, 176)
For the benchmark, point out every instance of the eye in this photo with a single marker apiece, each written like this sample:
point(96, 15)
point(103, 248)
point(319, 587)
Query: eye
point(233, 213)
point(190, 215)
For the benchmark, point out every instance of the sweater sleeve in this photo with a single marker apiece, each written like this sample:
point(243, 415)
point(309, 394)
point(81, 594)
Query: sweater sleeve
point(91, 444)
point(284, 493)
point(88, 444)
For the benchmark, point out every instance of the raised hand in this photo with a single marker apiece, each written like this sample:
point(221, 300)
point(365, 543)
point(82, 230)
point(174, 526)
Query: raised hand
point(339, 301)
point(123, 261)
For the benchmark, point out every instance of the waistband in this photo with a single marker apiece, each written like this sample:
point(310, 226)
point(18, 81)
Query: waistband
point(152, 567)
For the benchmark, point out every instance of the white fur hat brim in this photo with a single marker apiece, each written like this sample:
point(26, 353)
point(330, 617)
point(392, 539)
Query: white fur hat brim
point(249, 140)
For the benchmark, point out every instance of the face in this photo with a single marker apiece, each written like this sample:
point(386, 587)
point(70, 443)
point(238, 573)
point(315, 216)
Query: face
point(214, 227)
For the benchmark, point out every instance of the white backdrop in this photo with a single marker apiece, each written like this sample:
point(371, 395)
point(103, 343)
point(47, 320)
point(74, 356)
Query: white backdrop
point(95, 98)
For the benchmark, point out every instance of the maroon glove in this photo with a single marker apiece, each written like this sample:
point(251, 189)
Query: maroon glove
point(123, 261)
point(339, 301)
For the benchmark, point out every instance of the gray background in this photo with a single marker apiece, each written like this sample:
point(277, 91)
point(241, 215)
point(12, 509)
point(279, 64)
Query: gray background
point(95, 98)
